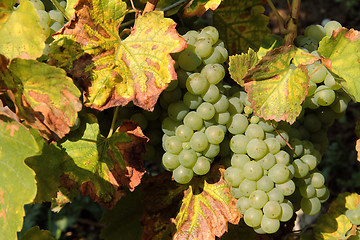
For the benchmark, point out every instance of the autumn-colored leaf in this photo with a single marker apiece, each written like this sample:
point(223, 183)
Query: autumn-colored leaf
point(341, 56)
point(18, 185)
point(241, 24)
point(239, 65)
point(199, 7)
point(113, 71)
point(99, 166)
point(43, 95)
point(275, 89)
point(206, 209)
point(17, 39)
point(35, 233)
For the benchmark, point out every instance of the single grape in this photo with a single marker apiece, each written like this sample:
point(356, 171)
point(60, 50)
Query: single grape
point(188, 60)
point(182, 174)
point(213, 32)
point(317, 72)
point(257, 148)
point(212, 94)
point(233, 176)
point(239, 160)
point(252, 170)
point(171, 96)
point(253, 217)
point(276, 195)
point(193, 120)
point(56, 16)
point(317, 180)
point(312, 122)
point(192, 101)
point(330, 27)
point(224, 53)
point(243, 204)
point(340, 104)
point(254, 131)
point(184, 133)
point(235, 105)
point(197, 84)
point(202, 166)
point(324, 95)
point(316, 32)
point(215, 57)
point(203, 47)
point(44, 16)
point(287, 187)
point(211, 151)
point(237, 124)
point(307, 191)
point(282, 137)
point(187, 158)
point(214, 73)
point(310, 206)
point(247, 187)
point(272, 209)
point(199, 141)
point(301, 168)
point(279, 173)
point(222, 117)
point(353, 216)
point(214, 134)
point(270, 225)
point(331, 82)
point(273, 145)
point(170, 161)
point(235, 192)
point(222, 104)
point(282, 157)
point(265, 183)
point(298, 148)
point(173, 145)
point(268, 161)
point(38, 4)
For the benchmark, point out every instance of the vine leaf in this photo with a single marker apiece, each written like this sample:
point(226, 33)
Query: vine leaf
point(18, 186)
point(205, 215)
point(70, 6)
point(239, 65)
point(273, 80)
point(113, 71)
point(334, 224)
point(342, 58)
point(199, 7)
point(16, 37)
point(241, 24)
point(43, 95)
point(99, 166)
point(36, 233)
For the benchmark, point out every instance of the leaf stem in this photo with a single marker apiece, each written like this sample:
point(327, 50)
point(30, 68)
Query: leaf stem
point(150, 6)
point(280, 19)
point(292, 25)
point(113, 122)
point(61, 9)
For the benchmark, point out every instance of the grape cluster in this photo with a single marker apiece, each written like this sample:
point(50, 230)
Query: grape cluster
point(354, 215)
point(50, 22)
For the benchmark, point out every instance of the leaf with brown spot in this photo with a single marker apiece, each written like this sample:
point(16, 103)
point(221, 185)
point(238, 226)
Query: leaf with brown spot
point(239, 65)
point(206, 208)
point(43, 96)
point(99, 166)
point(113, 71)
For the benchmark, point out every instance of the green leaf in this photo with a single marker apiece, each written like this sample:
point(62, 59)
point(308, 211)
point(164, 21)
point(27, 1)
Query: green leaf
point(70, 4)
point(205, 213)
point(113, 71)
point(273, 80)
point(44, 96)
point(342, 57)
point(20, 33)
point(239, 65)
point(35, 233)
point(18, 186)
point(99, 166)
point(199, 7)
point(241, 24)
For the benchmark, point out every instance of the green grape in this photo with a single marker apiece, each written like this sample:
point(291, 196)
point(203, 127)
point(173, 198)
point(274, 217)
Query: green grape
point(311, 103)
point(170, 161)
point(45, 28)
point(254, 131)
point(273, 145)
point(258, 199)
point(330, 27)
point(55, 27)
point(268, 161)
point(340, 104)
point(171, 96)
point(215, 57)
point(211, 151)
point(222, 117)
point(254, 120)
point(212, 94)
point(308, 147)
point(243, 204)
point(272, 209)
point(182, 174)
point(235, 192)
point(222, 104)
point(206, 111)
point(247, 187)
point(310, 160)
point(317, 180)
point(203, 47)
point(317, 72)
point(282, 157)
point(307, 191)
point(239, 160)
point(353, 216)
point(298, 148)
point(321, 192)
point(312, 88)
point(204, 35)
point(312, 122)
point(188, 60)
point(267, 126)
point(38, 4)
point(193, 121)
point(56, 16)
point(213, 32)
point(248, 110)
point(224, 53)
point(214, 73)
point(188, 158)
point(323, 198)
point(253, 217)
point(287, 187)
point(177, 111)
point(265, 183)
point(44, 16)
point(235, 106)
point(184, 133)
point(173, 145)
point(310, 206)
point(237, 124)
point(256, 148)
point(214, 134)
point(202, 166)
point(197, 84)
point(270, 225)
point(192, 101)
point(193, 33)
point(287, 211)
point(199, 141)
point(190, 40)
point(276, 195)
point(331, 82)
point(316, 32)
point(282, 137)
point(168, 126)
point(301, 168)
point(324, 95)
point(279, 173)
point(233, 176)
point(252, 170)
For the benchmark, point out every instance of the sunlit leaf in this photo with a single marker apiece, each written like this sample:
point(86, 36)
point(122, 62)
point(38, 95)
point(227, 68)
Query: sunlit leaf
point(43, 95)
point(342, 57)
point(206, 209)
point(18, 186)
point(70, 6)
point(20, 33)
point(113, 71)
point(35, 233)
point(199, 7)
point(242, 24)
point(99, 166)
point(239, 65)
point(275, 88)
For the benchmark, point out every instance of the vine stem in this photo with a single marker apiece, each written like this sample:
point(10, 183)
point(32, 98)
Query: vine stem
point(150, 6)
point(113, 122)
point(280, 19)
point(292, 25)
point(61, 9)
